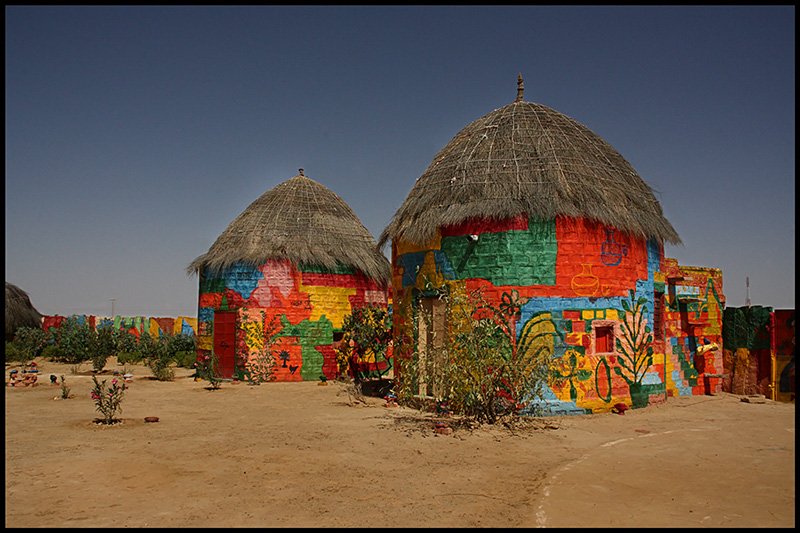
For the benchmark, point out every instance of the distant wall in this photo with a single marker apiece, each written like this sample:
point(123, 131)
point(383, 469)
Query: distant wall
point(784, 342)
point(155, 326)
point(747, 343)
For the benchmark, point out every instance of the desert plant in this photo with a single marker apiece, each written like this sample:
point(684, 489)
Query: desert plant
point(180, 343)
point(129, 358)
point(158, 357)
point(15, 354)
point(50, 352)
point(29, 344)
point(104, 346)
point(108, 400)
point(185, 359)
point(126, 342)
point(484, 372)
point(64, 389)
point(207, 370)
point(75, 341)
point(366, 338)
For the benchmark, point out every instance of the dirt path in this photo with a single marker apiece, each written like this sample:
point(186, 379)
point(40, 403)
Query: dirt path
point(305, 455)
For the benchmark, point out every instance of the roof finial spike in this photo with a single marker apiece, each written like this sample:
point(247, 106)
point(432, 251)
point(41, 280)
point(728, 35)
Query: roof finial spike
point(520, 87)
point(301, 172)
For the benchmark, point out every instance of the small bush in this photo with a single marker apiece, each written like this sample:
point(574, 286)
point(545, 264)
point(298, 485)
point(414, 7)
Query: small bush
point(64, 389)
point(14, 353)
point(75, 342)
point(207, 370)
point(157, 356)
point(186, 359)
point(50, 352)
point(29, 343)
point(129, 358)
point(108, 400)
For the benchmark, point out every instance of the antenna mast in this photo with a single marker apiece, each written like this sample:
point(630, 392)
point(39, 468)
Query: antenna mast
point(747, 299)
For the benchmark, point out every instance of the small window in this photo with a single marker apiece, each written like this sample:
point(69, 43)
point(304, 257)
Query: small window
point(658, 315)
point(604, 339)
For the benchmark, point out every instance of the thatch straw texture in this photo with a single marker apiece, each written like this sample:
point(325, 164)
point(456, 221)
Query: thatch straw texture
point(302, 221)
point(528, 158)
point(19, 311)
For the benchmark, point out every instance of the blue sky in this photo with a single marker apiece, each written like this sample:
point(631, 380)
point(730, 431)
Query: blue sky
point(136, 134)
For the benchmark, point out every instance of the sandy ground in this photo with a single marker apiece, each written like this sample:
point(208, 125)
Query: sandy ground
point(306, 455)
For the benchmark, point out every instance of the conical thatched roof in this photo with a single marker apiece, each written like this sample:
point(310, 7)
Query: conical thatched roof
point(528, 158)
point(302, 221)
point(19, 311)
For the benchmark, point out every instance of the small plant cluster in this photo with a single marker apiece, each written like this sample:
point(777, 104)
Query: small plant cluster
point(64, 389)
point(207, 370)
point(366, 342)
point(76, 342)
point(108, 399)
point(480, 369)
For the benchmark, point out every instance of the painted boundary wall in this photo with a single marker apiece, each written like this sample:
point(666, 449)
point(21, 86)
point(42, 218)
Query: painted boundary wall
point(574, 278)
point(300, 309)
point(784, 348)
point(760, 351)
point(155, 326)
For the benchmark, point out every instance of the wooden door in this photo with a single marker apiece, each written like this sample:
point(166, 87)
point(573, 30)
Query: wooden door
point(225, 342)
point(430, 344)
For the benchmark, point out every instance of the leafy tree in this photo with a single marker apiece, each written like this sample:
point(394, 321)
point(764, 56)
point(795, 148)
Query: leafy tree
point(75, 341)
point(28, 344)
point(367, 335)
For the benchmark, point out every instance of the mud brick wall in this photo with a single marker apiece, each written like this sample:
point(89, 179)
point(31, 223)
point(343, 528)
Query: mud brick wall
point(575, 277)
point(285, 312)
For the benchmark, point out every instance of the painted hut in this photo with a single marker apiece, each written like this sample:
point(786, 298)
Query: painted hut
point(539, 215)
point(19, 311)
point(279, 281)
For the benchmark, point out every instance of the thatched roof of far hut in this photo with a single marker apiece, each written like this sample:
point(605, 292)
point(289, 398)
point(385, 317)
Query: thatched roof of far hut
point(525, 158)
point(19, 311)
point(302, 221)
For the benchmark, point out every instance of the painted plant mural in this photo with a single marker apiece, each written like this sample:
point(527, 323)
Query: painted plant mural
point(616, 320)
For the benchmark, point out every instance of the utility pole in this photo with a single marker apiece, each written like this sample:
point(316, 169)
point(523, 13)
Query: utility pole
point(747, 299)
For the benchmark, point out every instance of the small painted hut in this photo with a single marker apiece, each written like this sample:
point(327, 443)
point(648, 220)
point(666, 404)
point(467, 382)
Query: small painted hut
point(19, 311)
point(278, 282)
point(543, 217)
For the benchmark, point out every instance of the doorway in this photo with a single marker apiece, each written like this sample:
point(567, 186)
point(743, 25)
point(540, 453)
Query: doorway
point(225, 342)
point(431, 327)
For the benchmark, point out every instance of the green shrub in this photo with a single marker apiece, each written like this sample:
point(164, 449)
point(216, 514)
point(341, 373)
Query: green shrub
point(367, 334)
point(129, 358)
point(14, 353)
point(481, 370)
point(75, 342)
point(50, 352)
point(29, 343)
point(186, 359)
point(157, 356)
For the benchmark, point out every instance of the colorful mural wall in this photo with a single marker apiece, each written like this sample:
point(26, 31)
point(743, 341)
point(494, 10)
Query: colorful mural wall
point(747, 350)
point(784, 348)
point(277, 310)
point(155, 326)
point(582, 285)
point(759, 351)
point(693, 314)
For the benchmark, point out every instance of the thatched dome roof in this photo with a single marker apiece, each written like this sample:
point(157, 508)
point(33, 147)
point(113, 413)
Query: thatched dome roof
point(19, 311)
point(302, 221)
point(528, 158)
